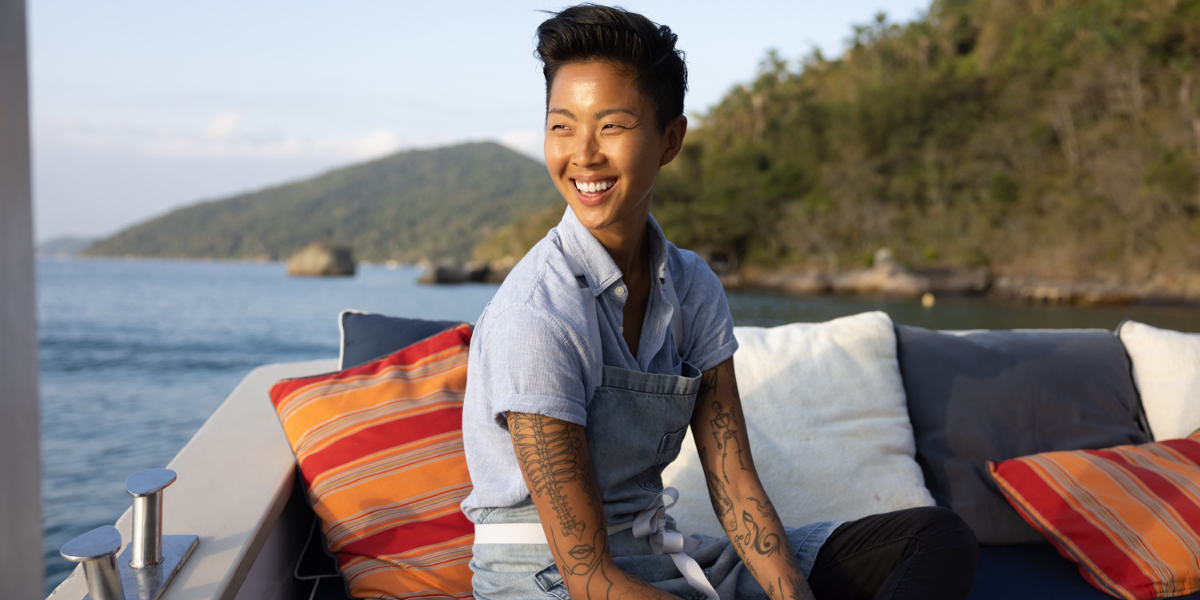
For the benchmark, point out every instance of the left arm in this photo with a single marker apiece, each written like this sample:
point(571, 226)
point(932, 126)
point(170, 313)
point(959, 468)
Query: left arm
point(737, 495)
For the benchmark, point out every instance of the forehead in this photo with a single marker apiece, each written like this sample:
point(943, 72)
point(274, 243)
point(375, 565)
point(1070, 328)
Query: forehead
point(593, 82)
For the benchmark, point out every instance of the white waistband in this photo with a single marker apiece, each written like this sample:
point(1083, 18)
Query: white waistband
point(523, 533)
point(650, 523)
point(509, 533)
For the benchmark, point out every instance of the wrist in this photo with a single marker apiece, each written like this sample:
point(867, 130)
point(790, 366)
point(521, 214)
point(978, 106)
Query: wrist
point(594, 582)
point(610, 581)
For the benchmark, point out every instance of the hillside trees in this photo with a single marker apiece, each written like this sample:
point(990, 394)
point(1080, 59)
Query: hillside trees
point(1056, 138)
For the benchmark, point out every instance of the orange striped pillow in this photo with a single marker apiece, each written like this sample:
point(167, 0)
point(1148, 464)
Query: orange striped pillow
point(1129, 516)
point(380, 450)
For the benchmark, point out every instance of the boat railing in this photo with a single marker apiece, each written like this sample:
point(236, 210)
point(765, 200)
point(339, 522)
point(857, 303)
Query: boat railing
point(235, 490)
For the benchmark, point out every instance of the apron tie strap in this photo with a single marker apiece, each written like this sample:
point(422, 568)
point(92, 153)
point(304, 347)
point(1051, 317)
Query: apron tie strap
point(651, 523)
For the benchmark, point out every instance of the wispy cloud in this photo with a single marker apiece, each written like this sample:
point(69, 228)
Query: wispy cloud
point(525, 141)
point(222, 126)
point(224, 135)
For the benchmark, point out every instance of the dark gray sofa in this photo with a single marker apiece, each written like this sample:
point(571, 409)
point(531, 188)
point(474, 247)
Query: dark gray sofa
point(972, 397)
point(994, 395)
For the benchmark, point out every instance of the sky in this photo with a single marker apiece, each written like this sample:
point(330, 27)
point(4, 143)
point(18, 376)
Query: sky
point(139, 107)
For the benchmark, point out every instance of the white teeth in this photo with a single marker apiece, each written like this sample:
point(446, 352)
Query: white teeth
point(594, 186)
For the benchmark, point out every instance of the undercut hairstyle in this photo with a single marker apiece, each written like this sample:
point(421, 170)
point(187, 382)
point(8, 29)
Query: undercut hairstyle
point(628, 41)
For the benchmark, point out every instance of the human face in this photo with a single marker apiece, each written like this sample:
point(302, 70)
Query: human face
point(603, 149)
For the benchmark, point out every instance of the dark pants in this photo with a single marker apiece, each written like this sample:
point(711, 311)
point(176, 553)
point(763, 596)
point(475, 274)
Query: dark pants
point(925, 553)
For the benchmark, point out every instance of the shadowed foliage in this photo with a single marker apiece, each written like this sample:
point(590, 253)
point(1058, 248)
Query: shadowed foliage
point(1056, 138)
point(1049, 138)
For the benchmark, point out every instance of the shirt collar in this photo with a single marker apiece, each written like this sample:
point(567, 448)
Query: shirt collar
point(599, 268)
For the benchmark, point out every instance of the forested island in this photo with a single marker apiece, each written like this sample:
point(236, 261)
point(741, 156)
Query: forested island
point(1046, 140)
point(410, 206)
point(1040, 142)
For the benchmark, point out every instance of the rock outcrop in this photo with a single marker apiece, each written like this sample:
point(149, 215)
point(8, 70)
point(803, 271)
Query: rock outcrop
point(969, 281)
point(1086, 293)
point(803, 282)
point(885, 277)
point(322, 259)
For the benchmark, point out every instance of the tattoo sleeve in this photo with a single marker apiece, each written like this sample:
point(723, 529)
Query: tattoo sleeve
point(738, 498)
point(549, 457)
point(554, 461)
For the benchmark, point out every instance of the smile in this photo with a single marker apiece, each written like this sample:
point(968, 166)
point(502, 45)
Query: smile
point(592, 187)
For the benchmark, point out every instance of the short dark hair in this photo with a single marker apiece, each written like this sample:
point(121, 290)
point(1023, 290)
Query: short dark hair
point(589, 32)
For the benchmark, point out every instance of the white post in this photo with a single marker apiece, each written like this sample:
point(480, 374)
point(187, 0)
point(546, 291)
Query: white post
point(21, 574)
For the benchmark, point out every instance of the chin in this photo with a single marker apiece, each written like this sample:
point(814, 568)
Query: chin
point(590, 219)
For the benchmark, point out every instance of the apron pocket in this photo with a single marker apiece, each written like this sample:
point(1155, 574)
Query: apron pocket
point(668, 448)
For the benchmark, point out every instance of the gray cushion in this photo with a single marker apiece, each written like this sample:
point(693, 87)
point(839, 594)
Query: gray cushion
point(367, 336)
point(994, 395)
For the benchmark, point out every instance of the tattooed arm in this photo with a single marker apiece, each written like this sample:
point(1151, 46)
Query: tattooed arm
point(554, 460)
point(741, 504)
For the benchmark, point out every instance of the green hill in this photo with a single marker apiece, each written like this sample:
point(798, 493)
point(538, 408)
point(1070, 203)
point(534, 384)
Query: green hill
point(1055, 139)
point(1050, 138)
point(426, 204)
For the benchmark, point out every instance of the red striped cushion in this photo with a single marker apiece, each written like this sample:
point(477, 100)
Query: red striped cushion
point(1129, 515)
point(380, 450)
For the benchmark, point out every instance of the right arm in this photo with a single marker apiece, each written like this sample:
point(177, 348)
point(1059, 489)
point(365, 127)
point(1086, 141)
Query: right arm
point(557, 468)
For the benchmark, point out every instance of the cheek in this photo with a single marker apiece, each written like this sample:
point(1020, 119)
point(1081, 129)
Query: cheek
point(639, 158)
point(552, 152)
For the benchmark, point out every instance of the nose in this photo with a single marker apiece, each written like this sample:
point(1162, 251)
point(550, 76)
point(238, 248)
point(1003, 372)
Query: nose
point(586, 151)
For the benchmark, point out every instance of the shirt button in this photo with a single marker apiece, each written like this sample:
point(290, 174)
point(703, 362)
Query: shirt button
point(620, 291)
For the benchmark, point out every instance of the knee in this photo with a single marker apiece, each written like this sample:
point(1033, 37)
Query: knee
point(946, 530)
point(939, 521)
point(946, 543)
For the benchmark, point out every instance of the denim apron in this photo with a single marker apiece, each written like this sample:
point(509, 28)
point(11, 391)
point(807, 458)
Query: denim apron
point(635, 425)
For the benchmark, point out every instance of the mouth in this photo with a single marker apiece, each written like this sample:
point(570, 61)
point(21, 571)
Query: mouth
point(592, 192)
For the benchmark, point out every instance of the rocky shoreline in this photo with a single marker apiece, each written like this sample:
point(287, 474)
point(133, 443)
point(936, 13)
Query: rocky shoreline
point(472, 272)
point(888, 278)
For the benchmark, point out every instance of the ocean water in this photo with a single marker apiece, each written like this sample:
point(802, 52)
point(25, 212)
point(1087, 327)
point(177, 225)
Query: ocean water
point(135, 355)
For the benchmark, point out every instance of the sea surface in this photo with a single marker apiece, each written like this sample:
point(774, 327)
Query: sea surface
point(135, 355)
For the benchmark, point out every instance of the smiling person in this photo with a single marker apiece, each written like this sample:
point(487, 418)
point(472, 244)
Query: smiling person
point(605, 344)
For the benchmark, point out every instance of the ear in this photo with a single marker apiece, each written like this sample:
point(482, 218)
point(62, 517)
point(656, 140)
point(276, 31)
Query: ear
point(673, 137)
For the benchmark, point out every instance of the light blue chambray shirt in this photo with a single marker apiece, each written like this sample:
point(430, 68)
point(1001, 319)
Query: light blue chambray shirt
point(531, 350)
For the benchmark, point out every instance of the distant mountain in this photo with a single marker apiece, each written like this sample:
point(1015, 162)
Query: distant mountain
point(421, 204)
point(67, 245)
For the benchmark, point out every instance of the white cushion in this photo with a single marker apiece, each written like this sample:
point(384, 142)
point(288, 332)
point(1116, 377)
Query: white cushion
point(1166, 371)
point(828, 425)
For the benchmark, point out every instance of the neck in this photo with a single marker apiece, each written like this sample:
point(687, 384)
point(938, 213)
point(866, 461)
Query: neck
point(628, 247)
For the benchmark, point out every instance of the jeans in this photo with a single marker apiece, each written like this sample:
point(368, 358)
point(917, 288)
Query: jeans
point(927, 553)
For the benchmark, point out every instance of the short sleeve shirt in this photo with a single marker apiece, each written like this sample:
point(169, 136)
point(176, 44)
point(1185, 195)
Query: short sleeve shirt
point(532, 350)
